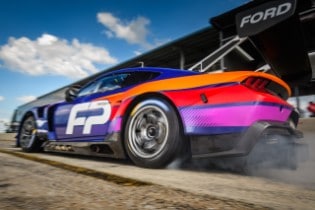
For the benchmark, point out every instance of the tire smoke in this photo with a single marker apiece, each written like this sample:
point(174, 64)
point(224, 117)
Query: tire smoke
point(262, 165)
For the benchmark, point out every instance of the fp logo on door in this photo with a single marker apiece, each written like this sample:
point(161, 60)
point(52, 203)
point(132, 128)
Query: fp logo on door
point(89, 121)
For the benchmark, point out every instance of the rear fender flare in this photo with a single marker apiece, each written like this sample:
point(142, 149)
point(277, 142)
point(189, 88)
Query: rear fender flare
point(127, 110)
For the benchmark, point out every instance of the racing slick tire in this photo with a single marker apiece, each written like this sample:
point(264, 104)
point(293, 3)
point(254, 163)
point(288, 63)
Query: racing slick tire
point(153, 136)
point(28, 139)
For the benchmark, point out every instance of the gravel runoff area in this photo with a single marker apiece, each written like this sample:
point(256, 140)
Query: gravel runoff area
point(25, 184)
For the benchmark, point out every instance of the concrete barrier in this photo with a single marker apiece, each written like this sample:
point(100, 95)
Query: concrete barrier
point(307, 124)
point(7, 136)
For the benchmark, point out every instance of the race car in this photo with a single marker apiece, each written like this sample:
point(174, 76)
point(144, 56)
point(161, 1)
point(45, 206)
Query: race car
point(156, 115)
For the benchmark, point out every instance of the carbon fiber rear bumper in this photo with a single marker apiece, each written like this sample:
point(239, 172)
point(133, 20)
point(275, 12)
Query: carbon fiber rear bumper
point(237, 145)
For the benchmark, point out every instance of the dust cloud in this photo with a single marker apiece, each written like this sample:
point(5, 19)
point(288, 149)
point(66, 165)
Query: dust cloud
point(303, 174)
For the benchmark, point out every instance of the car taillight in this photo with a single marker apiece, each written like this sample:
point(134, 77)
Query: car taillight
point(256, 83)
point(267, 86)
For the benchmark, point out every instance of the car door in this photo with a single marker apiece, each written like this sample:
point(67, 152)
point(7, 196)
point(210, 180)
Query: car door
point(87, 118)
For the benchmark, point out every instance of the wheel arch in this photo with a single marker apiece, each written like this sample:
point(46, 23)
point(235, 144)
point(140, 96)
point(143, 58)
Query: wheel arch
point(140, 98)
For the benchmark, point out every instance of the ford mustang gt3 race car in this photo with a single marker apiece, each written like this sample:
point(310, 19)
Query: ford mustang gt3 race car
point(155, 115)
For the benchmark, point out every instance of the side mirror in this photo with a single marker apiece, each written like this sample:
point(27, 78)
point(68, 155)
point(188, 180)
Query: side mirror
point(71, 93)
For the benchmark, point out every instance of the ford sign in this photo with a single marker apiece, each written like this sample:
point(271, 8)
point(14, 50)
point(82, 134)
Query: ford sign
point(258, 19)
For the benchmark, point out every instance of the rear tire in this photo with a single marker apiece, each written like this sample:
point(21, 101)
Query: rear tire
point(153, 137)
point(28, 138)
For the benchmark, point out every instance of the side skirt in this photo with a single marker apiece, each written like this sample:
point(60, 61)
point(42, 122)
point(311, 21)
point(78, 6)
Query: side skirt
point(108, 148)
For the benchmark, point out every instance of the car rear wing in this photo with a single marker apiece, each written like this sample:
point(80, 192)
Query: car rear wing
point(275, 29)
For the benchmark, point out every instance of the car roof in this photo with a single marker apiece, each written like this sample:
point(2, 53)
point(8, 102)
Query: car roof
point(165, 72)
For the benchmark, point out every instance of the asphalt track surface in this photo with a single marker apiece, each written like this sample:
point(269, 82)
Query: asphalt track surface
point(272, 188)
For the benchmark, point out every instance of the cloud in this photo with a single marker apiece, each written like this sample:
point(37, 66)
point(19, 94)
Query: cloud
point(1, 98)
point(137, 53)
point(4, 120)
point(26, 99)
point(49, 54)
point(134, 31)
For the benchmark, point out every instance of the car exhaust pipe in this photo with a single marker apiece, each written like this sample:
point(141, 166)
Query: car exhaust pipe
point(96, 148)
point(101, 148)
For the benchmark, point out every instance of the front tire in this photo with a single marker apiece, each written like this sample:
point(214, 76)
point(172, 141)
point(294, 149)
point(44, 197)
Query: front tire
point(28, 138)
point(152, 136)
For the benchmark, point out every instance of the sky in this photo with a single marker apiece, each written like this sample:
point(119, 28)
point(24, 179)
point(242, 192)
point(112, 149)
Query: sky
point(45, 45)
